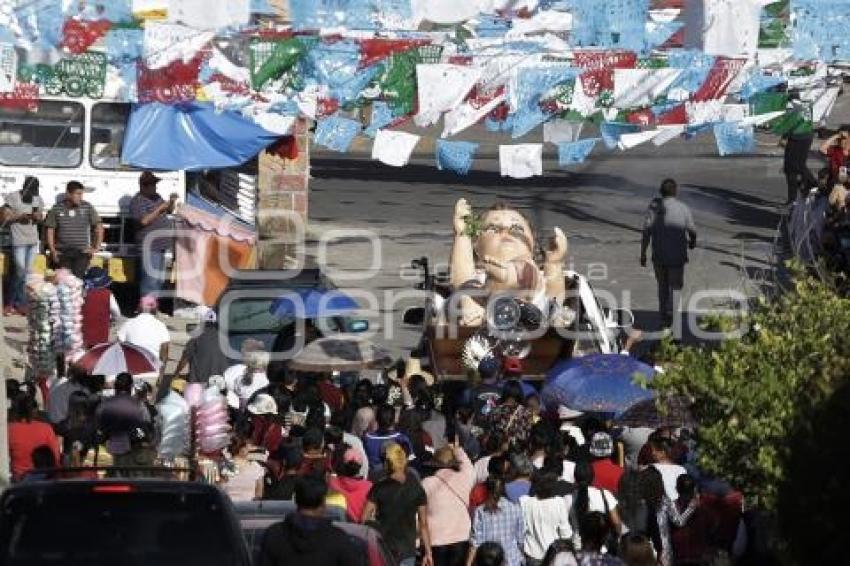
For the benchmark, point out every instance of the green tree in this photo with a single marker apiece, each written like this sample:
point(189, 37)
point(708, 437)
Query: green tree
point(754, 394)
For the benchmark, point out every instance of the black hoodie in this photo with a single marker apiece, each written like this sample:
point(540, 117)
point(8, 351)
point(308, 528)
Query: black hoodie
point(308, 540)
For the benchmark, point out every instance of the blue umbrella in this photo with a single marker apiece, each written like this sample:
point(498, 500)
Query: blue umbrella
point(596, 383)
point(313, 303)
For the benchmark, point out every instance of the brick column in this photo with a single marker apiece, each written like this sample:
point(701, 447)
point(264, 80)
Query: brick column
point(282, 199)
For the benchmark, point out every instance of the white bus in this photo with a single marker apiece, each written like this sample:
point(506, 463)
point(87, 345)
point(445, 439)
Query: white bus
point(80, 139)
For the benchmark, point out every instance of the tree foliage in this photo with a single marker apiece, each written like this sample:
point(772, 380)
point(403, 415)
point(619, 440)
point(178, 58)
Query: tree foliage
point(754, 395)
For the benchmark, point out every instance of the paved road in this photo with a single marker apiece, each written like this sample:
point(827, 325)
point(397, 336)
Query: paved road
point(599, 204)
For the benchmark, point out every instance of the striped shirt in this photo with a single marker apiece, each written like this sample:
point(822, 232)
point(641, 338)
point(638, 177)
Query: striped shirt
point(73, 225)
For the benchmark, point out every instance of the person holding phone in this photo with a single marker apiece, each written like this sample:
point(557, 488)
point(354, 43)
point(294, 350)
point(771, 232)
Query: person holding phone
point(23, 210)
point(837, 151)
point(153, 232)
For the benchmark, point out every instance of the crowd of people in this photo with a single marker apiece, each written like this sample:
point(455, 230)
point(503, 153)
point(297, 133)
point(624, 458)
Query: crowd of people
point(449, 476)
point(818, 227)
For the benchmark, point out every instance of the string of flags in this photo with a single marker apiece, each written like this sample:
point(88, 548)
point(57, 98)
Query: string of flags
point(641, 70)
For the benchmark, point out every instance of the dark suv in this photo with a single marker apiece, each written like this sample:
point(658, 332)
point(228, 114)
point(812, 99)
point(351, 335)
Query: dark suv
point(138, 522)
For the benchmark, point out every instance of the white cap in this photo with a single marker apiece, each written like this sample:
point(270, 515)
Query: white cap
point(565, 412)
point(262, 404)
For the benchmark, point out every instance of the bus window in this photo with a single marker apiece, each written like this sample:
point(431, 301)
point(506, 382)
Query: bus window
point(108, 123)
point(51, 136)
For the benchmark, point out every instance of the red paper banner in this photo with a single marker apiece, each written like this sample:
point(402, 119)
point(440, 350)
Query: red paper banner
point(174, 83)
point(643, 117)
point(79, 35)
point(374, 50)
point(24, 97)
point(605, 59)
point(678, 115)
point(600, 67)
point(719, 78)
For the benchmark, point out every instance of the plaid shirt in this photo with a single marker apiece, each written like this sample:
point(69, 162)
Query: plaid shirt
point(504, 526)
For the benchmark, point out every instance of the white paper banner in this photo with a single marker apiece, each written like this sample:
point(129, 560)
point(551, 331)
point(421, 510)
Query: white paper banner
point(640, 87)
point(561, 131)
point(667, 133)
point(445, 11)
point(465, 115)
point(442, 87)
point(731, 27)
point(393, 148)
point(628, 141)
point(203, 14)
point(760, 119)
point(165, 43)
point(521, 161)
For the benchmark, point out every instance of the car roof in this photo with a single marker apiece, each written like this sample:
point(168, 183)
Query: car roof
point(252, 279)
point(138, 485)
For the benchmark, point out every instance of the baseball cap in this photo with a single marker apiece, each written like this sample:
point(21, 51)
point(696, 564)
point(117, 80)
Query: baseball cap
point(601, 445)
point(148, 178)
point(262, 404)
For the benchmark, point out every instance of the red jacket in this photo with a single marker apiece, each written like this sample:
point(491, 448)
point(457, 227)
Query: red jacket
point(95, 313)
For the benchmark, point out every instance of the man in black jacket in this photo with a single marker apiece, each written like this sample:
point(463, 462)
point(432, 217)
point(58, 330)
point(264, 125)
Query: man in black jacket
point(308, 537)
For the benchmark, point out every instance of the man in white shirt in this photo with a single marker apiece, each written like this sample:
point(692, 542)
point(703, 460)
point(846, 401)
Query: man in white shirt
point(147, 331)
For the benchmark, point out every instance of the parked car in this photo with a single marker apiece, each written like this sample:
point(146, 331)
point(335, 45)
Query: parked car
point(131, 522)
point(257, 516)
point(244, 308)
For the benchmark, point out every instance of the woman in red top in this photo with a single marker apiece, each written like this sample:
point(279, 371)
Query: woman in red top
point(837, 151)
point(348, 482)
point(26, 434)
point(99, 307)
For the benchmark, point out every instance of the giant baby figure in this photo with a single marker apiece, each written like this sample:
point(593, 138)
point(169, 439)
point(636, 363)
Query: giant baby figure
point(500, 258)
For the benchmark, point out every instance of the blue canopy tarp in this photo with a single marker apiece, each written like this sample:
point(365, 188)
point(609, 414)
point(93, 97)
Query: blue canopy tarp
point(191, 137)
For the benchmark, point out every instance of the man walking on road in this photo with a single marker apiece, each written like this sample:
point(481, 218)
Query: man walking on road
point(670, 227)
point(70, 224)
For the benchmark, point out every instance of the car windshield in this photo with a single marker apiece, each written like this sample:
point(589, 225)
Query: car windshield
point(253, 315)
point(131, 529)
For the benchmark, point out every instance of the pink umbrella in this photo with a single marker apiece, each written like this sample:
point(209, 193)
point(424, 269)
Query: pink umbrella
point(118, 357)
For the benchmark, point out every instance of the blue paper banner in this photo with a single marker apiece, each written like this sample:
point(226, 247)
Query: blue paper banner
point(382, 116)
point(820, 29)
point(455, 156)
point(336, 133)
point(571, 153)
point(352, 14)
point(619, 23)
point(759, 83)
point(532, 84)
point(336, 65)
point(732, 138)
point(695, 67)
point(611, 132)
point(124, 44)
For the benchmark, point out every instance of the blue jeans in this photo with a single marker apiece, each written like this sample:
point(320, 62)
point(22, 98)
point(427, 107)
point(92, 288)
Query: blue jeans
point(408, 561)
point(151, 282)
point(24, 257)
